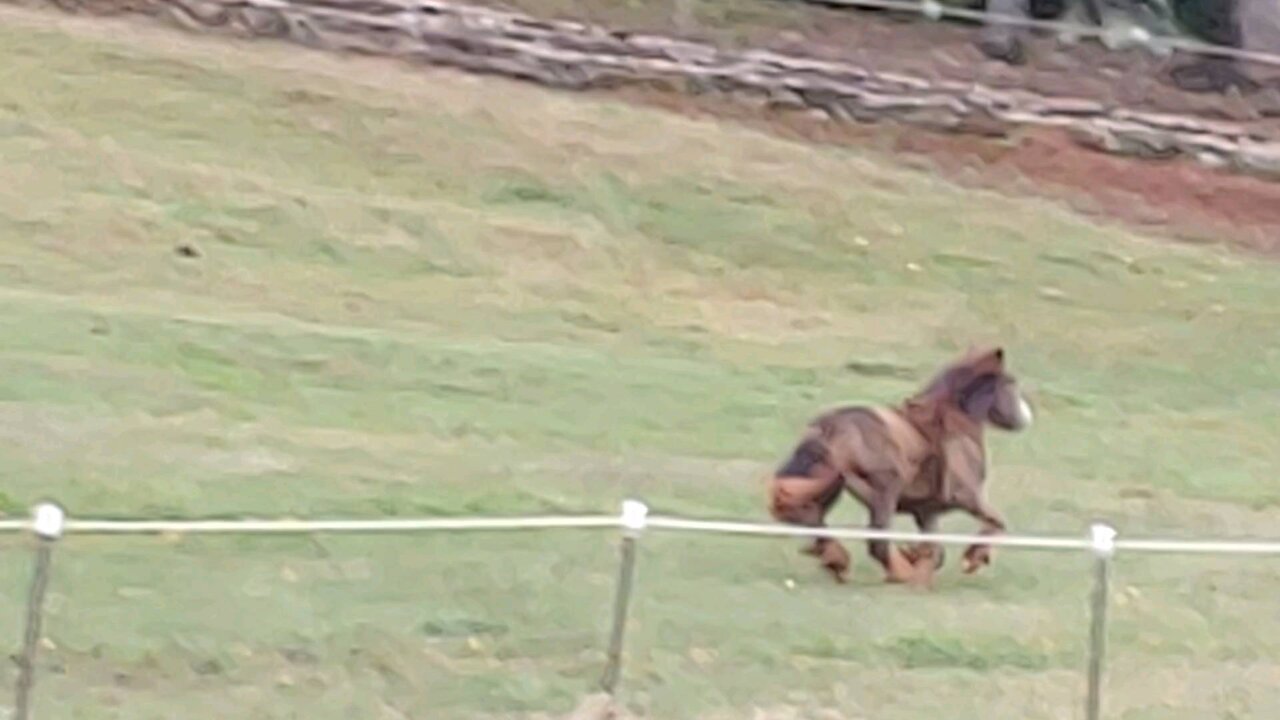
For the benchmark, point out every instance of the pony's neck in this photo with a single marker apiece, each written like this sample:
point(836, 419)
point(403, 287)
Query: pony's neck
point(935, 416)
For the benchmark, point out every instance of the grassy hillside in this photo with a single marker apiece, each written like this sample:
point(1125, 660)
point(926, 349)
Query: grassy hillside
point(236, 280)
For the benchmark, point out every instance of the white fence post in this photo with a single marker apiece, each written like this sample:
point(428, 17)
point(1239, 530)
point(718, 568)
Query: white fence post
point(1103, 544)
point(47, 524)
point(635, 515)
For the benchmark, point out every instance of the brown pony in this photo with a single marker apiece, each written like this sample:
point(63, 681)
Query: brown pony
point(924, 458)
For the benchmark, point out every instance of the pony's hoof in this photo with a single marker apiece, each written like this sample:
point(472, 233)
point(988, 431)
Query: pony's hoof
point(912, 553)
point(975, 558)
point(921, 554)
point(898, 569)
point(837, 561)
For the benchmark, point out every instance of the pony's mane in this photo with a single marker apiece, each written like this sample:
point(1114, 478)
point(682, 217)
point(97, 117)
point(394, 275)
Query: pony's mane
point(926, 406)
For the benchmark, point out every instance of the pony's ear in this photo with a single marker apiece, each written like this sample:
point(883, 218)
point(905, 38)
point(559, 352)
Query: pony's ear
point(978, 354)
point(987, 359)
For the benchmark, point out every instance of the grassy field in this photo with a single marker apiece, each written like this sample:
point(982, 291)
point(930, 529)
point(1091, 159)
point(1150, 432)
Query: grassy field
point(240, 280)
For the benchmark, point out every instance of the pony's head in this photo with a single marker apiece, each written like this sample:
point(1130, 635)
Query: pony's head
point(979, 386)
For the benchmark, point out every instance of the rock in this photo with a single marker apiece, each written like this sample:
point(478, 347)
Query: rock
point(262, 22)
point(1212, 160)
point(783, 98)
point(1125, 138)
point(1195, 144)
point(1167, 121)
point(1261, 158)
point(1092, 135)
point(1067, 106)
point(1000, 44)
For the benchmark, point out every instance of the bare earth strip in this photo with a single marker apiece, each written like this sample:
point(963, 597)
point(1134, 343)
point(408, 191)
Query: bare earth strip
point(1187, 200)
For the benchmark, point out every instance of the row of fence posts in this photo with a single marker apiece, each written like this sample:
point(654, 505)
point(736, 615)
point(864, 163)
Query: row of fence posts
point(49, 522)
point(1102, 545)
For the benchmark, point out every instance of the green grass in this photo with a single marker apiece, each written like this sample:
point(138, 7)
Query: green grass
point(419, 293)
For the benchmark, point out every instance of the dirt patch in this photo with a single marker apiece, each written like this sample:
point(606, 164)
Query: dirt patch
point(1175, 198)
point(1172, 198)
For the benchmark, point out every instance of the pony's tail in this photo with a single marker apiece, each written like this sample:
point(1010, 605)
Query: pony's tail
point(809, 459)
point(805, 485)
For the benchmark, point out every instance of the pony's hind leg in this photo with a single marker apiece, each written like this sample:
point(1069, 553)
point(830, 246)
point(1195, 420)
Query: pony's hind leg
point(818, 547)
point(832, 554)
point(835, 558)
point(806, 502)
point(880, 496)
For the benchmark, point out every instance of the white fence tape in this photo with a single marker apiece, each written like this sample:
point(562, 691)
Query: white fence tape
point(50, 523)
point(628, 520)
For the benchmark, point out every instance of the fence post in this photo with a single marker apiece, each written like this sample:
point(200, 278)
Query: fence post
point(47, 524)
point(634, 518)
point(1103, 539)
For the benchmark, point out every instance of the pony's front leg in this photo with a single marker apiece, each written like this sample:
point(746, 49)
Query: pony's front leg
point(979, 555)
point(926, 522)
point(926, 557)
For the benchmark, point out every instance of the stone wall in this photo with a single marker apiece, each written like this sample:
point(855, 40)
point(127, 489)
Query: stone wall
point(578, 56)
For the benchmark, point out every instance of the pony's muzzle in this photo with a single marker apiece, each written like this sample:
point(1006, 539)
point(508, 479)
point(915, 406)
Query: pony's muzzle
point(1023, 417)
